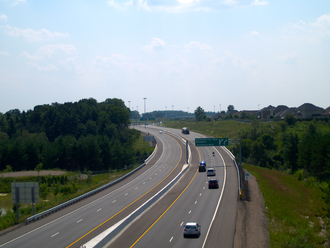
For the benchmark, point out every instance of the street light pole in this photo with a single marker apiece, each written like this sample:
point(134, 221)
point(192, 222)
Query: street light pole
point(144, 104)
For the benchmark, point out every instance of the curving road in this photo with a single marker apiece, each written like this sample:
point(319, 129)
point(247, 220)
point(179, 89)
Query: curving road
point(79, 223)
point(190, 200)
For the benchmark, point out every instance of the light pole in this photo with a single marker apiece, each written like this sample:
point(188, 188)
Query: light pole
point(214, 108)
point(129, 105)
point(220, 108)
point(137, 109)
point(144, 104)
point(172, 107)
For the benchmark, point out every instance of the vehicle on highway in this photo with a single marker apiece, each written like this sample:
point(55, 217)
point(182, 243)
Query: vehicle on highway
point(213, 184)
point(191, 229)
point(160, 131)
point(213, 154)
point(185, 130)
point(210, 172)
point(202, 166)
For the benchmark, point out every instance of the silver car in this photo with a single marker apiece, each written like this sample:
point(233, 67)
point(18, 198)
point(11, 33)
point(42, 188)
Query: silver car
point(210, 172)
point(191, 229)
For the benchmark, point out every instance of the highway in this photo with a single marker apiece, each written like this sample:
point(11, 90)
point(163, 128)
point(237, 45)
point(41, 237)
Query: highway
point(190, 200)
point(80, 222)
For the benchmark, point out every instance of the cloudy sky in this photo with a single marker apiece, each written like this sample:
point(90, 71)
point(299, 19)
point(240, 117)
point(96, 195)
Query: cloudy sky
point(179, 54)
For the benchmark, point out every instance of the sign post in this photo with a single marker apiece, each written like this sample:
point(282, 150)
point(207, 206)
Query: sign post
point(24, 193)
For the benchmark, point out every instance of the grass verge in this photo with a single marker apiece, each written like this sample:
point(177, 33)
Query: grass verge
point(294, 208)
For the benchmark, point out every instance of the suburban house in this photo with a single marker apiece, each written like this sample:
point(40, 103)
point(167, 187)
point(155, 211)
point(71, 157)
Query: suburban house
point(306, 110)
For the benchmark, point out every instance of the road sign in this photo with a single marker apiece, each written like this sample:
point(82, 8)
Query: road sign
point(211, 142)
point(26, 192)
point(247, 176)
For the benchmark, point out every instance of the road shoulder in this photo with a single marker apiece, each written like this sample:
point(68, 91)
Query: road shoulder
point(251, 222)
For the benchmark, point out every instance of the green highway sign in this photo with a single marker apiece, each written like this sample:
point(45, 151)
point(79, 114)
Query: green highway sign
point(211, 142)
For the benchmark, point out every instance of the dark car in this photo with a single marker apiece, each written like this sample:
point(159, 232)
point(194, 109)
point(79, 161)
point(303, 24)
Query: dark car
point(202, 166)
point(213, 184)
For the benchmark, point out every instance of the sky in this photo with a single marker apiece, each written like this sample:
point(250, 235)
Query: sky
point(178, 54)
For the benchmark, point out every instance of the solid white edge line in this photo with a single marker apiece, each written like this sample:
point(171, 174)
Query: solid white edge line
point(10, 241)
point(215, 212)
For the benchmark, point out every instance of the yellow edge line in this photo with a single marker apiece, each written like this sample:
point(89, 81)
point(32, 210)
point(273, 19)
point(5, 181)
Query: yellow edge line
point(165, 211)
point(168, 207)
point(130, 203)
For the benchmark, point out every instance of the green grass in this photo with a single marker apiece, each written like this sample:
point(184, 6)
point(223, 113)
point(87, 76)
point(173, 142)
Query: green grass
point(293, 208)
point(226, 129)
point(82, 187)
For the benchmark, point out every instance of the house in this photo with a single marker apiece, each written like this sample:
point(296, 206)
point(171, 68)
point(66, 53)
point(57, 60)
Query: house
point(266, 112)
point(326, 113)
point(287, 111)
point(309, 110)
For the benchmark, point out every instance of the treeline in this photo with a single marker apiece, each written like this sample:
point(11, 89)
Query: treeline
point(84, 135)
point(298, 147)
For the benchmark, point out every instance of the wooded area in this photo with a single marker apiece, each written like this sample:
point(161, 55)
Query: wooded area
point(301, 147)
point(84, 135)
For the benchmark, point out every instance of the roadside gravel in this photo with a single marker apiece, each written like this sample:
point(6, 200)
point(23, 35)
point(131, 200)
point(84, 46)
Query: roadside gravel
point(251, 221)
point(32, 173)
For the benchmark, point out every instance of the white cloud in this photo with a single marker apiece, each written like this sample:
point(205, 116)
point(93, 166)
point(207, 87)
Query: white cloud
point(229, 60)
point(33, 35)
point(156, 44)
point(195, 45)
point(256, 2)
point(309, 31)
point(288, 58)
point(118, 5)
point(3, 17)
point(118, 61)
point(2, 53)
point(48, 67)
point(18, 2)
point(178, 6)
point(253, 33)
point(49, 50)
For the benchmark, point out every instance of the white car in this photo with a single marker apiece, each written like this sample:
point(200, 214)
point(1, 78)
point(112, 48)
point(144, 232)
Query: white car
point(191, 229)
point(210, 172)
point(160, 131)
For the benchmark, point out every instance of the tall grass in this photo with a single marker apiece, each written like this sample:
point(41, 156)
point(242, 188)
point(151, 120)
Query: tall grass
point(293, 208)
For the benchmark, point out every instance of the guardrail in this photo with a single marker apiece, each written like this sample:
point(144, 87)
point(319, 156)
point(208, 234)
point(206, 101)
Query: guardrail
point(102, 239)
point(238, 171)
point(86, 195)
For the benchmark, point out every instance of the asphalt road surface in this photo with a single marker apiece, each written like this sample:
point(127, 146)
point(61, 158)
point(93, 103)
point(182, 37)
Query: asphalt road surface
point(190, 200)
point(79, 223)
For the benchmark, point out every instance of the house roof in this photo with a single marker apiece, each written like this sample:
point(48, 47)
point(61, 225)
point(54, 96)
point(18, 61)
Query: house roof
point(309, 106)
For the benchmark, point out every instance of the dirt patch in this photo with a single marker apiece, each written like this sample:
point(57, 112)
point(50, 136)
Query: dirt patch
point(32, 173)
point(252, 221)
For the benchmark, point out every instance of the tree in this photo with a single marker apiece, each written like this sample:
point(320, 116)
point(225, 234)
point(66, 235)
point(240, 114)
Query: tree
point(230, 108)
point(200, 114)
point(290, 151)
point(38, 168)
point(9, 169)
point(289, 118)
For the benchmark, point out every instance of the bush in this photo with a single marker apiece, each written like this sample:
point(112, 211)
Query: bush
point(301, 174)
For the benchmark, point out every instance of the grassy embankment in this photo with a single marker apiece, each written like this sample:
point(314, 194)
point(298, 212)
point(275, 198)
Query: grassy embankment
point(294, 206)
point(70, 189)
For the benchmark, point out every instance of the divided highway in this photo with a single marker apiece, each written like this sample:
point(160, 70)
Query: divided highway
point(190, 200)
point(80, 222)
